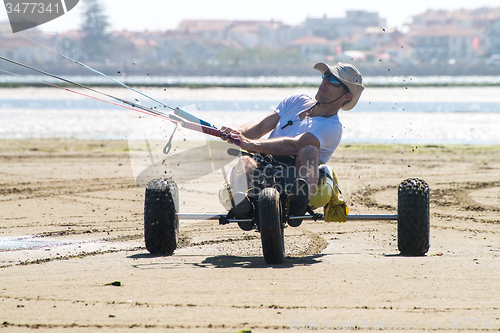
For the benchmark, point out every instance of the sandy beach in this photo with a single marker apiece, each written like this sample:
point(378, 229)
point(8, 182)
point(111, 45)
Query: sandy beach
point(77, 209)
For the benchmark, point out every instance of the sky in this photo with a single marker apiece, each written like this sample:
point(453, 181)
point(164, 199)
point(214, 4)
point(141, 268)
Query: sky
point(166, 14)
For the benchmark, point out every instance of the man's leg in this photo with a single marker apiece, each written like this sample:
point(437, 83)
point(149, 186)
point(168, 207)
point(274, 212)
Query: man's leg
point(306, 182)
point(307, 165)
point(242, 175)
point(240, 179)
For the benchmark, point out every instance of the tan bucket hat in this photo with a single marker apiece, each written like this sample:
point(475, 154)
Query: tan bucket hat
point(348, 75)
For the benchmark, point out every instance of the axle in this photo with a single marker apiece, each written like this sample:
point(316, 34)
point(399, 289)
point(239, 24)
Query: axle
point(360, 217)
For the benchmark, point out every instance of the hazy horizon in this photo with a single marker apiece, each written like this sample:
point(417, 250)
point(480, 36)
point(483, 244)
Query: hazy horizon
point(162, 15)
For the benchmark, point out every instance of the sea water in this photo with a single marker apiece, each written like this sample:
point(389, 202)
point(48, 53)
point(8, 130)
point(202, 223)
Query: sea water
point(402, 114)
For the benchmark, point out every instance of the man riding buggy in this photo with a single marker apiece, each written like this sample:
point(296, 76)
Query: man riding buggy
point(305, 132)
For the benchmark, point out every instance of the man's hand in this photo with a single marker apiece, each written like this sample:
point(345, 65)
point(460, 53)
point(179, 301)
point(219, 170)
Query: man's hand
point(231, 136)
point(226, 130)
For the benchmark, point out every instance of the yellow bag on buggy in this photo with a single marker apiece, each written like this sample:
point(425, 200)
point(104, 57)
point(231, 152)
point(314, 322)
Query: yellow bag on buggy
point(328, 196)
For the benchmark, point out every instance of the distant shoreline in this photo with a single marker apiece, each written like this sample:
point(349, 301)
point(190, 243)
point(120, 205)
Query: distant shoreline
point(202, 86)
point(287, 76)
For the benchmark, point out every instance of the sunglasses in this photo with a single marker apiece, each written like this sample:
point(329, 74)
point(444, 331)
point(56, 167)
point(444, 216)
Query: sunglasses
point(333, 80)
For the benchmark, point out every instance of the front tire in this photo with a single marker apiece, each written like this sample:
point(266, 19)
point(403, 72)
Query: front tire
point(413, 217)
point(271, 226)
point(161, 224)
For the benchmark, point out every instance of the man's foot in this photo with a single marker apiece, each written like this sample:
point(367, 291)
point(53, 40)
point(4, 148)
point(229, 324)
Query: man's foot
point(243, 207)
point(299, 200)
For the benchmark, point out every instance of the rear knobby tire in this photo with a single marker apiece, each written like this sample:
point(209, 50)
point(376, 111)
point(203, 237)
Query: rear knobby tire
point(161, 224)
point(271, 226)
point(413, 217)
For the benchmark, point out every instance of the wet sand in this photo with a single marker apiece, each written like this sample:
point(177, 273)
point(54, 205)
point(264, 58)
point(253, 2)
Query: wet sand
point(78, 203)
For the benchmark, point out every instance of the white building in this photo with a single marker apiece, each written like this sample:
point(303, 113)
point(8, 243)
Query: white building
point(443, 43)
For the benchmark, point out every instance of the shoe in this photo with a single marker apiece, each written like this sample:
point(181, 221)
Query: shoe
point(243, 207)
point(299, 201)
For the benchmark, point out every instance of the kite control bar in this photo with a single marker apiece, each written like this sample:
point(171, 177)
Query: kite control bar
point(204, 129)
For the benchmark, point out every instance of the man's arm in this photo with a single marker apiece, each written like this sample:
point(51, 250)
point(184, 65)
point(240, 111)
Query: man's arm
point(259, 129)
point(280, 146)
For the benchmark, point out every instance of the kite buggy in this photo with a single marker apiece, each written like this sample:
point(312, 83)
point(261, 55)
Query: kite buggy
point(271, 204)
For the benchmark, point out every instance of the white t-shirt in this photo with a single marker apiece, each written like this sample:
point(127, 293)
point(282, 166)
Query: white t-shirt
point(328, 130)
